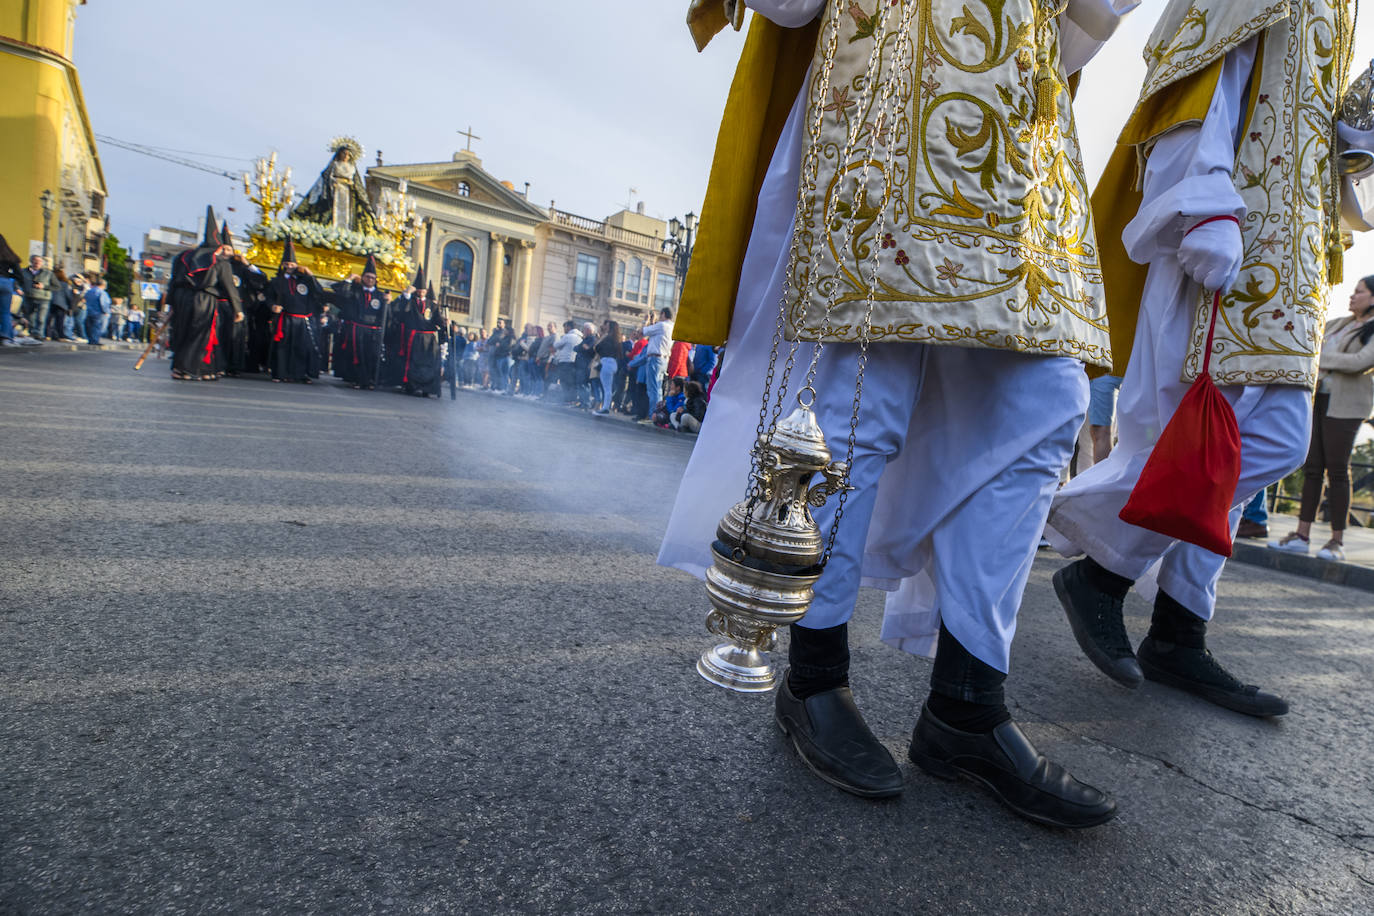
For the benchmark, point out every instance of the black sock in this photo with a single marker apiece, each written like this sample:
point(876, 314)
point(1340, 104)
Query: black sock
point(1172, 622)
point(1105, 579)
point(965, 692)
point(818, 659)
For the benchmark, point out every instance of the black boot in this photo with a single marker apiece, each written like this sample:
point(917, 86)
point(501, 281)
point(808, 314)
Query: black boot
point(965, 730)
point(1094, 599)
point(815, 708)
point(1175, 653)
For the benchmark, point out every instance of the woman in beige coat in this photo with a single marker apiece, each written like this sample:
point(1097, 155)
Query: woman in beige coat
point(1345, 399)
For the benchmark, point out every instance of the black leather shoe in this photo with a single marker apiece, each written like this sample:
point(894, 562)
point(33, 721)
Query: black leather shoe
point(1198, 672)
point(1098, 625)
point(831, 737)
point(1012, 769)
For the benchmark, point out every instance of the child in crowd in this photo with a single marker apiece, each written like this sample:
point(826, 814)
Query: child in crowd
point(677, 396)
point(688, 417)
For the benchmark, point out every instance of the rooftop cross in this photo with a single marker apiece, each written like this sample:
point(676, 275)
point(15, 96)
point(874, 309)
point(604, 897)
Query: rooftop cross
point(470, 135)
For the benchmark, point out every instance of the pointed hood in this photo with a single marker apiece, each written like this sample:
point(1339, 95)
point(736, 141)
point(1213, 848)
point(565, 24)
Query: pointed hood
point(419, 283)
point(288, 253)
point(225, 236)
point(432, 300)
point(211, 239)
point(371, 266)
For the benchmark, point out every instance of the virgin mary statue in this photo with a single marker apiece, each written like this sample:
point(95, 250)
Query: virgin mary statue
point(339, 197)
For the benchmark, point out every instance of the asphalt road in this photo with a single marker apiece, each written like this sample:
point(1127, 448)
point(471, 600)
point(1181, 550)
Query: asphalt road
point(269, 648)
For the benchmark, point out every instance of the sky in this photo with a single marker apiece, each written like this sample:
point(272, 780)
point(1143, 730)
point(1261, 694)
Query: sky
point(585, 100)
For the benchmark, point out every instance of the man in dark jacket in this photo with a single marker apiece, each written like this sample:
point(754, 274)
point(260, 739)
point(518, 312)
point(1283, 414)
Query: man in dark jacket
point(37, 283)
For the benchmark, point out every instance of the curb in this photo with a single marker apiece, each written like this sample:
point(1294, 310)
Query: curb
point(1329, 571)
point(51, 346)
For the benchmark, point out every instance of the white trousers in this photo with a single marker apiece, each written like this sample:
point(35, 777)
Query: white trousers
point(957, 456)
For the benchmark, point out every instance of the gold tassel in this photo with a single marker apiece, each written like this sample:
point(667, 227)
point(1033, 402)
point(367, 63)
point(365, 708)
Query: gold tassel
point(1046, 93)
point(1335, 263)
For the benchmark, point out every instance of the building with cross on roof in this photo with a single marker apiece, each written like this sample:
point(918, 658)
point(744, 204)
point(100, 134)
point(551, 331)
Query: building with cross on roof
point(492, 254)
point(478, 236)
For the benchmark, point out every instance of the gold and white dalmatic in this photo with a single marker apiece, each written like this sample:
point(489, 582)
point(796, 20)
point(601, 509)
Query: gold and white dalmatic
point(1271, 323)
point(974, 194)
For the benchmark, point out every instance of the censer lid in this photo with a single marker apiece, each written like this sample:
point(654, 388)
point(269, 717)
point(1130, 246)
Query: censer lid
point(799, 435)
point(1357, 109)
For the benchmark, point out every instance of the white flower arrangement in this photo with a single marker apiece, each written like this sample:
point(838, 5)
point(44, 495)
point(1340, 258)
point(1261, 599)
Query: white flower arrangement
point(318, 235)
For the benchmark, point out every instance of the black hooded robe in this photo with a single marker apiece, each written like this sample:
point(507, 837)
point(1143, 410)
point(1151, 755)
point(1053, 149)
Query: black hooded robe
point(234, 340)
point(361, 350)
point(201, 280)
point(423, 335)
point(393, 372)
point(295, 354)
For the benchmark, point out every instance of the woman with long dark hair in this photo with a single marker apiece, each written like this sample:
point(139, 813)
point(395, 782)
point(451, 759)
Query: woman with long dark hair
point(10, 265)
point(609, 349)
point(1344, 400)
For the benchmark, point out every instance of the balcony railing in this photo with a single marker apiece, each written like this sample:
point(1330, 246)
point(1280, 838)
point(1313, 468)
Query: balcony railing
point(606, 231)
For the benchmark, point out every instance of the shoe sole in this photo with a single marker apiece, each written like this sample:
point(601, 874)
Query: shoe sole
point(1211, 695)
point(941, 769)
point(1100, 659)
point(860, 791)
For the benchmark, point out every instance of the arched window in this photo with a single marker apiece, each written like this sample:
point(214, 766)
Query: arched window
point(644, 285)
point(455, 286)
point(620, 279)
point(633, 272)
point(464, 189)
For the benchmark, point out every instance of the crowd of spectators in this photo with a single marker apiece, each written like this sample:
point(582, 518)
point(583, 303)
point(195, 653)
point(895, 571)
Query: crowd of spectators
point(39, 303)
point(603, 370)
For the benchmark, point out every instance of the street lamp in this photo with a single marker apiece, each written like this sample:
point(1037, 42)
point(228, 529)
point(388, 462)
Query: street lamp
point(681, 238)
point(49, 205)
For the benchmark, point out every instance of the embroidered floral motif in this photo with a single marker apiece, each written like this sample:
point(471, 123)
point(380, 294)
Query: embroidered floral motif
point(1271, 323)
point(987, 216)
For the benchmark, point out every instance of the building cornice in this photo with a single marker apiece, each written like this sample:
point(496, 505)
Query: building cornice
point(423, 192)
point(52, 58)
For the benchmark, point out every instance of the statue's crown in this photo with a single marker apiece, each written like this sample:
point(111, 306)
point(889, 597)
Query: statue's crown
point(349, 143)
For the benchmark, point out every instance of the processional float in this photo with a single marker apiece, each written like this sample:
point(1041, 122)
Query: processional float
point(336, 226)
point(769, 551)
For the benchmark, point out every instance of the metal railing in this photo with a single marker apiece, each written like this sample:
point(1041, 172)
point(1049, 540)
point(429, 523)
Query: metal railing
point(605, 230)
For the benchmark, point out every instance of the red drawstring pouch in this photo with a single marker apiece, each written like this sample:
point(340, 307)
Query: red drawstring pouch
point(1187, 486)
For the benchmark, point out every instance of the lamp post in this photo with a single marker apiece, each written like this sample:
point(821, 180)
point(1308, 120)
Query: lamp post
point(681, 238)
point(49, 204)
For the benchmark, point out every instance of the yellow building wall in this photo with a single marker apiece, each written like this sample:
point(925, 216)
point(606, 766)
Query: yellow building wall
point(36, 100)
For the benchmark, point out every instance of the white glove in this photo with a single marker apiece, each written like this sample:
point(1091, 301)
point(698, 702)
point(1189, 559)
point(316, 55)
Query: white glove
point(1211, 255)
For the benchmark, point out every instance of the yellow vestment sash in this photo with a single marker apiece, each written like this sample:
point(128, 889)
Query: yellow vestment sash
point(770, 74)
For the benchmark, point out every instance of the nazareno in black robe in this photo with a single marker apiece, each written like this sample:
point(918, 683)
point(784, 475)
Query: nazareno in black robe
point(235, 337)
point(423, 333)
point(361, 349)
point(200, 280)
point(393, 371)
point(295, 354)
